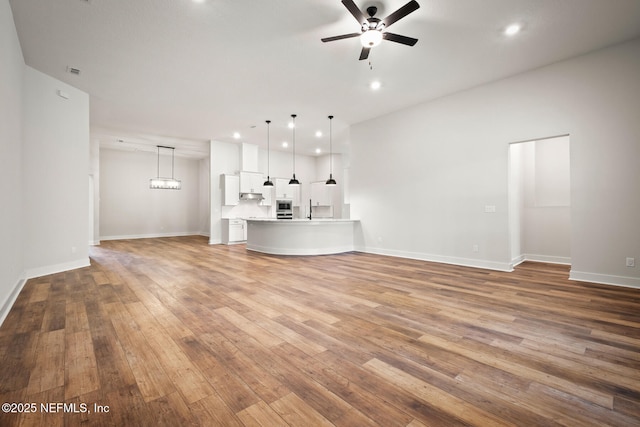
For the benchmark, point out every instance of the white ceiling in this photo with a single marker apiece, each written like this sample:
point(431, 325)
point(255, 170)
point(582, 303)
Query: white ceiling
point(158, 69)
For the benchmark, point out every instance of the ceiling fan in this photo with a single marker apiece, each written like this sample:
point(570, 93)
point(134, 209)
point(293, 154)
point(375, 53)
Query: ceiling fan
point(373, 30)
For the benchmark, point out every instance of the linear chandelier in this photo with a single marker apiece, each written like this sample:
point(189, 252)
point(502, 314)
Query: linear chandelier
point(160, 183)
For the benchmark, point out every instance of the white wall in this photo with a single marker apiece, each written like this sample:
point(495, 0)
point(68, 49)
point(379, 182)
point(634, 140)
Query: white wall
point(55, 175)
point(203, 197)
point(94, 204)
point(130, 209)
point(421, 177)
point(11, 183)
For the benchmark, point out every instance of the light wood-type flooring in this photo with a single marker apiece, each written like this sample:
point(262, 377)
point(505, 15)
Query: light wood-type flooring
point(175, 332)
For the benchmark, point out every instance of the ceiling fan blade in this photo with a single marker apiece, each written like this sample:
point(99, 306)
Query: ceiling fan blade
point(357, 13)
point(400, 13)
point(364, 54)
point(344, 36)
point(410, 41)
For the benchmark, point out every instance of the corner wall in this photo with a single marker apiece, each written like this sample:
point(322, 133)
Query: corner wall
point(11, 183)
point(55, 175)
point(422, 177)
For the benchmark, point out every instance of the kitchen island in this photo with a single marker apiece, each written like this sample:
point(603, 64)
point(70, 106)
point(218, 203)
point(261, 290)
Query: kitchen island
point(300, 236)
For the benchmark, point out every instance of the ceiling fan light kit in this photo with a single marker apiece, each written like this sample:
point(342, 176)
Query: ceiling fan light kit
point(371, 38)
point(373, 30)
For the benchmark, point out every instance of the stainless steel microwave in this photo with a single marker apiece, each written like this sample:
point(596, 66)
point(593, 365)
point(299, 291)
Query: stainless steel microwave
point(284, 205)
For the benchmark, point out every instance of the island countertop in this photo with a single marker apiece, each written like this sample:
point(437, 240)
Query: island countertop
point(296, 220)
point(302, 236)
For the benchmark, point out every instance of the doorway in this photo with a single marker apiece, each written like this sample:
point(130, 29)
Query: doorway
point(540, 200)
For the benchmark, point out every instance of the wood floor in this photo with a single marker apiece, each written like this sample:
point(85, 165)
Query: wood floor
point(175, 332)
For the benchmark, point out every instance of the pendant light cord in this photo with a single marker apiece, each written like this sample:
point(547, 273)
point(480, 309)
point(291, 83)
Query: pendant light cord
point(330, 145)
point(173, 150)
point(294, 144)
point(268, 151)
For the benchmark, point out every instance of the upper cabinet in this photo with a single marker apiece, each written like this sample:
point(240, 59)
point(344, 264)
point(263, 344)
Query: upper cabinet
point(286, 191)
point(231, 190)
point(321, 194)
point(251, 182)
point(267, 194)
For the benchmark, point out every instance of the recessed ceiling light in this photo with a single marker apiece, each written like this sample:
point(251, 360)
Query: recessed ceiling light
point(318, 151)
point(285, 144)
point(318, 134)
point(512, 29)
point(199, 1)
point(375, 85)
point(236, 135)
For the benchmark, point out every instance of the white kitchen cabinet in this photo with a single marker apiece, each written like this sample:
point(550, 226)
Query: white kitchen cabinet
point(233, 231)
point(267, 194)
point(231, 190)
point(251, 182)
point(286, 191)
point(321, 194)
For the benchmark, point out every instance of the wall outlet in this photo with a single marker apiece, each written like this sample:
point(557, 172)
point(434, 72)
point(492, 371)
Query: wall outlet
point(475, 248)
point(631, 262)
point(490, 209)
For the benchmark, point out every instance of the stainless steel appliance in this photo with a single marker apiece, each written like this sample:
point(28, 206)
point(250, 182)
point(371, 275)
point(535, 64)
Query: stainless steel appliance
point(284, 209)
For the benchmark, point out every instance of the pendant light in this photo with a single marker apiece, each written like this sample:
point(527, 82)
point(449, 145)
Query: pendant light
point(159, 183)
point(294, 181)
point(268, 182)
point(330, 182)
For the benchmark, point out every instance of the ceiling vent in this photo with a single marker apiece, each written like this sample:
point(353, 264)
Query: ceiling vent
point(72, 70)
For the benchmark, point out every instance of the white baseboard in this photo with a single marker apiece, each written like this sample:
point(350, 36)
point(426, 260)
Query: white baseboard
point(540, 258)
point(11, 299)
point(31, 273)
point(548, 259)
point(517, 261)
point(465, 262)
point(151, 236)
point(605, 279)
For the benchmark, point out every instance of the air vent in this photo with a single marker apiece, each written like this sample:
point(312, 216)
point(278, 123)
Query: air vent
point(72, 70)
